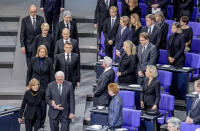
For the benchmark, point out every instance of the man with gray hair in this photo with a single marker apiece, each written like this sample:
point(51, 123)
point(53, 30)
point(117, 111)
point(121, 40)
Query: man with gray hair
point(60, 98)
point(67, 22)
point(174, 124)
point(101, 96)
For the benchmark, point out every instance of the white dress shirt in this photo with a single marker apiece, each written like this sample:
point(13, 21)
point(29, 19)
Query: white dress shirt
point(66, 56)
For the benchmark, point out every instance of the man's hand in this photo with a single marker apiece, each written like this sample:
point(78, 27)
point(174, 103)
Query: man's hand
point(95, 26)
point(119, 73)
point(140, 74)
point(118, 53)
point(171, 59)
point(59, 107)
point(154, 107)
point(110, 42)
point(61, 9)
point(78, 84)
point(189, 120)
point(23, 50)
point(20, 120)
point(142, 104)
point(71, 116)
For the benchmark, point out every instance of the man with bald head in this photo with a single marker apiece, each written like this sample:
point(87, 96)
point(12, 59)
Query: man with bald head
point(30, 27)
point(59, 48)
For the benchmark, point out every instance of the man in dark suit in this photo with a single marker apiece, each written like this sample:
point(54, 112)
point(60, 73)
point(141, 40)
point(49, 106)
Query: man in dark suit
point(102, 12)
point(185, 8)
point(159, 5)
point(68, 62)
point(67, 22)
point(101, 96)
point(194, 112)
point(153, 30)
point(147, 55)
point(30, 28)
point(52, 9)
point(59, 48)
point(60, 98)
point(110, 29)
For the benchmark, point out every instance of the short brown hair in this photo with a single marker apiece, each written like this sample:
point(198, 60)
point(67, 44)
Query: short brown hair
point(125, 20)
point(114, 8)
point(185, 19)
point(68, 43)
point(144, 35)
point(33, 82)
point(151, 17)
point(178, 26)
point(42, 47)
point(113, 87)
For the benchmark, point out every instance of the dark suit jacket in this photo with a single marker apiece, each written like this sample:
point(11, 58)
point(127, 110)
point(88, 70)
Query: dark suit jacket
point(73, 30)
point(175, 49)
point(194, 111)
point(151, 94)
point(59, 48)
point(185, 8)
point(127, 66)
point(101, 12)
point(48, 41)
point(31, 105)
point(124, 8)
point(50, 5)
point(66, 99)
point(28, 34)
point(120, 38)
point(136, 33)
point(155, 36)
point(101, 96)
point(148, 57)
point(164, 32)
point(162, 3)
point(74, 72)
point(110, 33)
point(136, 10)
point(44, 75)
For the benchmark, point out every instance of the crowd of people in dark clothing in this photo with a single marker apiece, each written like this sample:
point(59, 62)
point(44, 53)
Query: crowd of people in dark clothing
point(53, 57)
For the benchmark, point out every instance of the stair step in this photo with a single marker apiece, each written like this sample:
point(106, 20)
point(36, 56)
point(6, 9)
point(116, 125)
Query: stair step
point(88, 60)
point(9, 26)
point(86, 28)
point(9, 18)
point(6, 59)
point(7, 43)
point(83, 20)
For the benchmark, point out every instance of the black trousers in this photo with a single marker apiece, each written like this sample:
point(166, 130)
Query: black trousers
point(28, 57)
point(52, 18)
point(109, 50)
point(64, 121)
point(35, 122)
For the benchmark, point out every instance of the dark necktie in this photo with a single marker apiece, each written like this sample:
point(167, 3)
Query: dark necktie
point(149, 31)
point(34, 23)
point(68, 60)
point(107, 4)
point(60, 89)
point(67, 25)
point(143, 49)
point(112, 23)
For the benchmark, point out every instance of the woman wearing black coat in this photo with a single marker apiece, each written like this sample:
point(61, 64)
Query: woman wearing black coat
point(133, 7)
point(41, 68)
point(150, 96)
point(44, 39)
point(176, 46)
point(160, 22)
point(127, 64)
point(31, 106)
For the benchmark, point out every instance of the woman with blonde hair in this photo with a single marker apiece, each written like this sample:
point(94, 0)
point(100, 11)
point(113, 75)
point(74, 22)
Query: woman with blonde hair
point(31, 107)
point(127, 64)
point(44, 39)
point(41, 67)
point(176, 46)
point(136, 27)
point(133, 7)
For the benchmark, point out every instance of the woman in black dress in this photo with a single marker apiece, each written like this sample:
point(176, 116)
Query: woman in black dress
point(31, 106)
point(127, 63)
point(150, 96)
point(133, 8)
point(44, 39)
point(136, 28)
point(160, 22)
point(176, 46)
point(187, 31)
point(41, 68)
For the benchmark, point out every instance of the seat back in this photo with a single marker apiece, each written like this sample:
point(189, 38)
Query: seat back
point(115, 69)
point(131, 118)
point(102, 50)
point(188, 127)
point(170, 11)
point(165, 78)
point(166, 103)
point(143, 21)
point(170, 22)
point(128, 98)
point(196, 29)
point(119, 6)
point(195, 13)
point(195, 47)
point(163, 59)
point(143, 6)
point(192, 60)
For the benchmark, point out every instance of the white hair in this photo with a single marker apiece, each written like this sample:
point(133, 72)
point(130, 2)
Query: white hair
point(59, 73)
point(67, 13)
point(107, 61)
point(175, 122)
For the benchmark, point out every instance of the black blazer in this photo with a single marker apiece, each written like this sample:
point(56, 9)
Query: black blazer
point(155, 36)
point(50, 5)
point(136, 33)
point(59, 48)
point(31, 105)
point(164, 32)
point(194, 111)
point(127, 66)
point(135, 10)
point(175, 49)
point(74, 73)
point(27, 34)
point(73, 30)
point(151, 94)
point(48, 41)
point(110, 33)
point(101, 96)
point(44, 75)
point(185, 8)
point(124, 8)
point(101, 12)
point(162, 3)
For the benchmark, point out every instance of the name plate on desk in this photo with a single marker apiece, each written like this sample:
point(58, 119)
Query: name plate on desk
point(174, 69)
point(132, 87)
